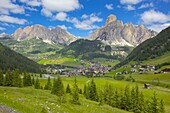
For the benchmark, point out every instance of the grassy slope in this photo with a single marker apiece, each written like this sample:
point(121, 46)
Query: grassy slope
point(62, 61)
point(159, 60)
point(28, 100)
point(162, 92)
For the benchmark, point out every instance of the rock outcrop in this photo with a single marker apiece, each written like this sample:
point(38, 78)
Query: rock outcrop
point(52, 36)
point(116, 33)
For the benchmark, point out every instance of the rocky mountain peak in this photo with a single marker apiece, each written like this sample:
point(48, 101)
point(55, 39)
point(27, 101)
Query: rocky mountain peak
point(111, 18)
point(114, 32)
point(56, 35)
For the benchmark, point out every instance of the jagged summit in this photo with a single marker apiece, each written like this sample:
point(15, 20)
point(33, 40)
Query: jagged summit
point(111, 18)
point(114, 32)
point(56, 35)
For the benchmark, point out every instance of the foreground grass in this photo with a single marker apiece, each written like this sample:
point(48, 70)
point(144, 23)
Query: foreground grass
point(162, 93)
point(29, 100)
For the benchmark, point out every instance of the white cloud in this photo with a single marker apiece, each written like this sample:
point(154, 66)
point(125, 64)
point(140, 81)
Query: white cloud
point(130, 7)
point(60, 16)
point(62, 27)
point(31, 2)
point(31, 8)
point(87, 23)
point(84, 16)
point(9, 19)
point(159, 27)
point(152, 16)
point(2, 28)
point(7, 7)
point(130, 1)
point(46, 12)
point(61, 5)
point(109, 6)
point(147, 5)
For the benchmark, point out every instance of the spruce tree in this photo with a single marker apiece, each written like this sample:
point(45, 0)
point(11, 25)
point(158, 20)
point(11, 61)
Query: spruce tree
point(68, 89)
point(7, 78)
point(116, 99)
point(15, 78)
point(93, 91)
point(108, 94)
point(33, 80)
point(37, 84)
point(154, 104)
point(127, 98)
point(75, 93)
point(48, 85)
point(58, 89)
point(1, 78)
point(162, 109)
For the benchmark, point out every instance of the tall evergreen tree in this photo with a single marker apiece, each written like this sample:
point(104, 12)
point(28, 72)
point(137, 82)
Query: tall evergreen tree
point(154, 104)
point(162, 109)
point(48, 85)
point(116, 101)
point(58, 89)
point(127, 98)
point(37, 84)
point(33, 80)
point(75, 93)
point(16, 78)
point(93, 91)
point(1, 78)
point(68, 89)
point(7, 78)
point(108, 94)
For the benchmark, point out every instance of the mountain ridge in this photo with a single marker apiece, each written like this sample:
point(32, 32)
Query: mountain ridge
point(114, 32)
point(51, 36)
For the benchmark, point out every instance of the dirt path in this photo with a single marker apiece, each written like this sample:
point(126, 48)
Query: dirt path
point(5, 109)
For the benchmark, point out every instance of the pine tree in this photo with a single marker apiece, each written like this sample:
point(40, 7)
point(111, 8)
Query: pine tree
point(162, 109)
point(75, 93)
point(127, 98)
point(7, 78)
point(108, 94)
point(1, 78)
point(33, 80)
point(116, 99)
point(48, 85)
point(20, 82)
point(85, 89)
point(58, 89)
point(133, 101)
point(68, 89)
point(15, 78)
point(154, 104)
point(37, 84)
point(93, 91)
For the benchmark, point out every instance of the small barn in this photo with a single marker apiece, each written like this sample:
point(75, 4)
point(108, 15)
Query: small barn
point(147, 86)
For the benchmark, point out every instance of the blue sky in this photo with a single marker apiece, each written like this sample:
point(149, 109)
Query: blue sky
point(81, 17)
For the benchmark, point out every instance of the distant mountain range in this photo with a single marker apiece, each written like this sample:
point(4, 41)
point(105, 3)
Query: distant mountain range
point(37, 42)
point(115, 33)
point(53, 36)
point(11, 60)
point(151, 48)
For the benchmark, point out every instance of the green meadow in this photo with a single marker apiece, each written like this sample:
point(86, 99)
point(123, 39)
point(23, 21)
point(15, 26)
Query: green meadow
point(30, 100)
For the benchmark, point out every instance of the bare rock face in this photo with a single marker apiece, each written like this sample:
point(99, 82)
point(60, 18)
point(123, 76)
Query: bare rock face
point(111, 18)
point(4, 35)
point(56, 35)
point(116, 33)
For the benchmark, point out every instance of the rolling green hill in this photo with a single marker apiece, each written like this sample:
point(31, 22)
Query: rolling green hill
point(34, 49)
point(151, 48)
point(88, 50)
point(12, 60)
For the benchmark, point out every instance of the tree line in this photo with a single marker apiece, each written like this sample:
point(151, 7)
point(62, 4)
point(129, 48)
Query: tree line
point(129, 99)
